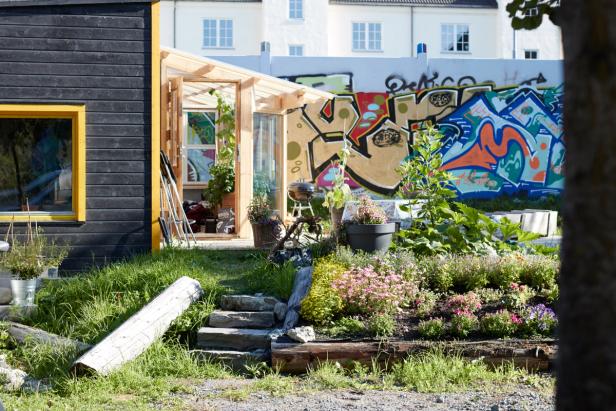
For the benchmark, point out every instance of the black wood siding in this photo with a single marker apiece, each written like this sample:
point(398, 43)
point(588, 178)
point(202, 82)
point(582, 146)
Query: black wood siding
point(97, 55)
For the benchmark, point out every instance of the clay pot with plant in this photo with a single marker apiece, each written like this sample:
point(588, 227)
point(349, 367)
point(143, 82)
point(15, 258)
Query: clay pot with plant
point(368, 229)
point(266, 228)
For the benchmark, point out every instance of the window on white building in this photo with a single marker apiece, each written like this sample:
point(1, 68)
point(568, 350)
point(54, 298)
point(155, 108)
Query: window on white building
point(296, 9)
point(455, 38)
point(367, 37)
point(531, 54)
point(218, 33)
point(296, 50)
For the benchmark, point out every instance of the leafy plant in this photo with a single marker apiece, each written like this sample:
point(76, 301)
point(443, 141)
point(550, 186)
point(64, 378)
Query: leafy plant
point(272, 279)
point(345, 327)
point(26, 259)
point(469, 302)
point(432, 329)
point(225, 132)
point(425, 303)
point(444, 226)
point(382, 325)
point(368, 212)
point(323, 303)
point(340, 192)
point(517, 296)
point(260, 210)
point(222, 182)
point(538, 320)
point(501, 324)
point(463, 324)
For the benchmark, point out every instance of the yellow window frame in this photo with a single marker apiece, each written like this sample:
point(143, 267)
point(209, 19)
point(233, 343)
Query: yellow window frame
point(76, 113)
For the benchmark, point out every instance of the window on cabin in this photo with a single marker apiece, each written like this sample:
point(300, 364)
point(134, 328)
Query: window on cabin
point(36, 162)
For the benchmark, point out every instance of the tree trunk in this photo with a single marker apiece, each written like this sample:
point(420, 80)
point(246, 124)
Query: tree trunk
point(587, 309)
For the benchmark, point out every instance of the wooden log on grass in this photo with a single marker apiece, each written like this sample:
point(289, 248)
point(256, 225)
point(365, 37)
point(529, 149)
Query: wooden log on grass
point(22, 333)
point(135, 335)
point(291, 357)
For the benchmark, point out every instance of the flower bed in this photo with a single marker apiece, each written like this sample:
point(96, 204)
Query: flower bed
point(434, 298)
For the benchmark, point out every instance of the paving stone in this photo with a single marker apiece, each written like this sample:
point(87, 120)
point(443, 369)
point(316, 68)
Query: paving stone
point(241, 339)
point(242, 319)
point(248, 303)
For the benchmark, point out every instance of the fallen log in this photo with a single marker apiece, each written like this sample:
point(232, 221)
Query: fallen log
point(21, 333)
point(536, 355)
point(135, 335)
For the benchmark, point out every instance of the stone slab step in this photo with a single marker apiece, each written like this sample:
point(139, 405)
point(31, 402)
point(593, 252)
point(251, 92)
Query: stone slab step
point(241, 319)
point(248, 303)
point(234, 359)
point(240, 339)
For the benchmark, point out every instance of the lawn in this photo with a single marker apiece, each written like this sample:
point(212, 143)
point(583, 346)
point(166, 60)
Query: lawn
point(90, 306)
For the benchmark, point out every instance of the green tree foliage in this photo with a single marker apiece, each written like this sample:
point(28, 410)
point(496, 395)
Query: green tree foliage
point(522, 21)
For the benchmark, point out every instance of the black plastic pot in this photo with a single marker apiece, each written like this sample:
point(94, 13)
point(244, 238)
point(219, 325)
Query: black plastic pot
point(370, 237)
point(210, 225)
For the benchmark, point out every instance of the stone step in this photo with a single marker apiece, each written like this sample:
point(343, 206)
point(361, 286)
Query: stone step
point(248, 303)
point(240, 339)
point(242, 319)
point(234, 359)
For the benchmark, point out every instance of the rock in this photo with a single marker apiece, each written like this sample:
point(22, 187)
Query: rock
point(242, 319)
point(15, 379)
point(439, 399)
point(247, 303)
point(291, 319)
point(280, 309)
point(302, 334)
point(240, 339)
point(5, 296)
point(495, 408)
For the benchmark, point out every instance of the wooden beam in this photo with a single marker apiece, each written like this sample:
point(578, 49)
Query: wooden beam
point(245, 111)
point(294, 100)
point(135, 335)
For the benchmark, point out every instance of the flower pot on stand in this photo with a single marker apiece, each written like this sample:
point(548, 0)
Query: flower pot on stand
point(370, 237)
point(23, 291)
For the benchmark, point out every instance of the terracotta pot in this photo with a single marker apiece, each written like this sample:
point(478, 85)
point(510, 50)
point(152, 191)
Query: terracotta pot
point(265, 235)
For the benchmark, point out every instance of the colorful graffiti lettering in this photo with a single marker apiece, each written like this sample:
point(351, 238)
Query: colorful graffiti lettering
point(497, 141)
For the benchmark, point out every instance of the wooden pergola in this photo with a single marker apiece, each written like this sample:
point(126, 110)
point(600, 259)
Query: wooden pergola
point(186, 81)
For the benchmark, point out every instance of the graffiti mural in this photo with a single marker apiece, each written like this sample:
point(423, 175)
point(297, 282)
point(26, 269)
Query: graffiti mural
point(497, 140)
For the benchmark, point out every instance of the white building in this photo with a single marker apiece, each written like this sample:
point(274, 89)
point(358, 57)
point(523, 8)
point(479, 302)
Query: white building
point(347, 28)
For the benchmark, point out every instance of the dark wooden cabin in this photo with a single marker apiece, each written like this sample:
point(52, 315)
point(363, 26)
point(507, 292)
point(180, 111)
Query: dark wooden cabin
point(79, 104)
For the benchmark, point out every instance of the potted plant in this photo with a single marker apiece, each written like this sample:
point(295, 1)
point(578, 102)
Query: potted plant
point(222, 182)
point(55, 256)
point(265, 227)
point(369, 230)
point(337, 196)
point(26, 261)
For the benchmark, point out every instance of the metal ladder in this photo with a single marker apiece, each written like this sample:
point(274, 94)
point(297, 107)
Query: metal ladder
point(172, 217)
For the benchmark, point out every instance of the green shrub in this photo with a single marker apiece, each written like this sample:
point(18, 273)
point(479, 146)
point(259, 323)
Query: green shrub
point(517, 296)
point(323, 304)
point(272, 279)
point(425, 303)
point(468, 272)
point(382, 325)
point(539, 271)
point(463, 324)
point(490, 295)
point(505, 270)
point(432, 329)
point(434, 273)
point(501, 324)
point(345, 327)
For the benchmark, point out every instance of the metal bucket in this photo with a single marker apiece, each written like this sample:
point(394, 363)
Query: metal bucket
point(23, 291)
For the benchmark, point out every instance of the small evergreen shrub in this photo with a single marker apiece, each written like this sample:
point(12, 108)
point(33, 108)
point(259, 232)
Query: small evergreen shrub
point(501, 324)
point(432, 329)
point(323, 303)
point(463, 324)
point(382, 325)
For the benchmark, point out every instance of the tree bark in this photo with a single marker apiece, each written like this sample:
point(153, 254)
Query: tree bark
point(587, 309)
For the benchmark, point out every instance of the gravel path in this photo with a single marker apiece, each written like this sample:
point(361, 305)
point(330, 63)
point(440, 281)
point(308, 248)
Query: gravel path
point(206, 397)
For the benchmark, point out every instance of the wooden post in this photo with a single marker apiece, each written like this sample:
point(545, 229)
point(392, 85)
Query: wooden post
point(245, 109)
point(282, 166)
point(141, 330)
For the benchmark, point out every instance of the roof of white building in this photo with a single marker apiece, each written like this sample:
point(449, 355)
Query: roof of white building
point(422, 3)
